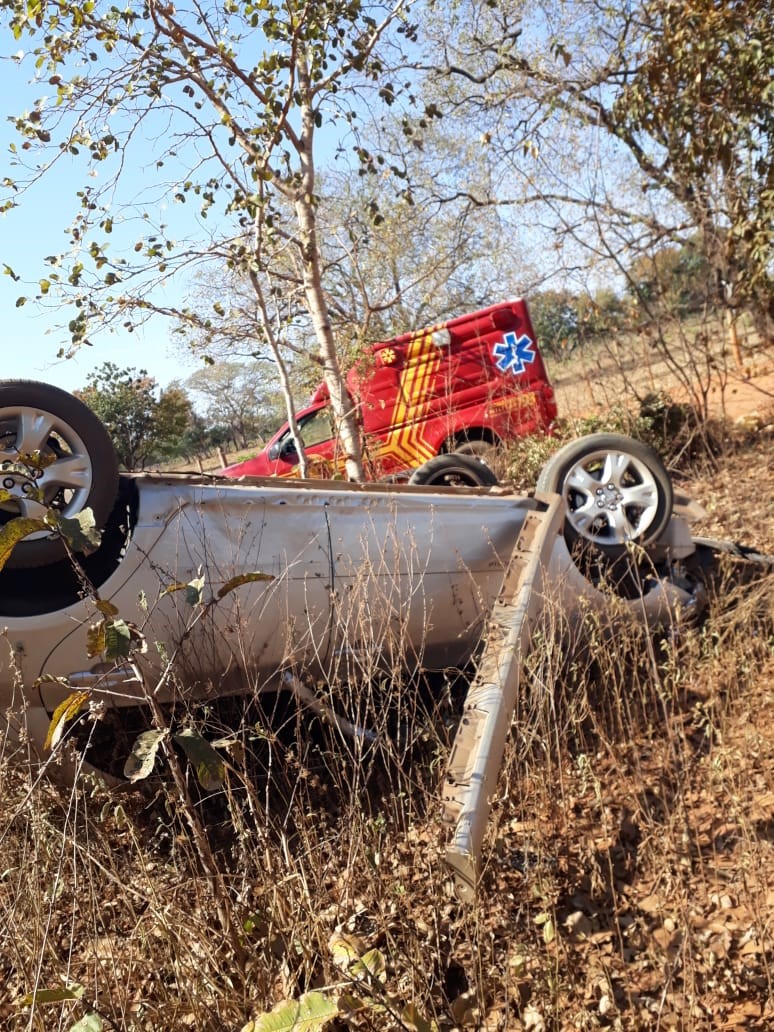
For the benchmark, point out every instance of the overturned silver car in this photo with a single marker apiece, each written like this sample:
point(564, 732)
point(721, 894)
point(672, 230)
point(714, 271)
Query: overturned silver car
point(234, 584)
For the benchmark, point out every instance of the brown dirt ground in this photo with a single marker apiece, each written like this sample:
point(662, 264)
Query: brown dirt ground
point(591, 384)
point(738, 496)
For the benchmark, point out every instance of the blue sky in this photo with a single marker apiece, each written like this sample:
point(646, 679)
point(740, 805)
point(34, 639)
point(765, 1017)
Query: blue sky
point(30, 336)
point(30, 232)
point(36, 229)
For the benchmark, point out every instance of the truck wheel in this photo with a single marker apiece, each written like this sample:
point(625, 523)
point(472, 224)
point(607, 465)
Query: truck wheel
point(453, 470)
point(54, 454)
point(615, 489)
point(483, 451)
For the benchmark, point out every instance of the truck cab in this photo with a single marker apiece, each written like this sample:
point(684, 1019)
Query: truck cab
point(471, 383)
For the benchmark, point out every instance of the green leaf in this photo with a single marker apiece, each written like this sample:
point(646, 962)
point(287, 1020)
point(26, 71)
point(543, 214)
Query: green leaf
point(547, 922)
point(310, 1013)
point(112, 637)
point(243, 578)
point(53, 679)
point(194, 590)
point(52, 995)
point(89, 1023)
point(118, 639)
point(140, 761)
point(14, 531)
point(80, 531)
point(207, 763)
point(370, 965)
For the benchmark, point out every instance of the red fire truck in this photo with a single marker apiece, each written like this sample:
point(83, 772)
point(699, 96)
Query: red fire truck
point(466, 385)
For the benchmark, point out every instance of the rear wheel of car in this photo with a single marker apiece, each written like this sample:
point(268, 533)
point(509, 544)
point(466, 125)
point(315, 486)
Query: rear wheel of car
point(616, 490)
point(453, 470)
point(54, 454)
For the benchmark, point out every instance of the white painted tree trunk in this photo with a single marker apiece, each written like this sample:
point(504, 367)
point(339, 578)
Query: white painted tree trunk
point(344, 414)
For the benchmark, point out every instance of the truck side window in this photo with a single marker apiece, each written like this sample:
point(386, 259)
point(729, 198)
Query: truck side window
point(315, 428)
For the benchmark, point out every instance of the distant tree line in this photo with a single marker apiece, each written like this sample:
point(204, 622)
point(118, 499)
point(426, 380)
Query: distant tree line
point(225, 406)
point(674, 279)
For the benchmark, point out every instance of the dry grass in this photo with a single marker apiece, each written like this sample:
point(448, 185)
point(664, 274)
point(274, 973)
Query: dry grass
point(627, 868)
point(691, 360)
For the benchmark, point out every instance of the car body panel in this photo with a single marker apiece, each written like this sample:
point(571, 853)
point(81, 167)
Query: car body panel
point(318, 579)
point(417, 568)
point(407, 574)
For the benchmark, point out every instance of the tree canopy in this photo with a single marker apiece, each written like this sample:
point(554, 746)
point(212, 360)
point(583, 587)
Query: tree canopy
point(229, 100)
point(345, 169)
point(144, 423)
point(616, 130)
point(239, 396)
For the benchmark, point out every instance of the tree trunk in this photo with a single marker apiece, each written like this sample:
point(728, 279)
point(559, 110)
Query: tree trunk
point(287, 393)
point(290, 408)
point(733, 337)
point(344, 414)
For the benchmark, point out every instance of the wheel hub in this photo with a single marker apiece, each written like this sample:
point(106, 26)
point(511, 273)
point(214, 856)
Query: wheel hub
point(20, 479)
point(608, 497)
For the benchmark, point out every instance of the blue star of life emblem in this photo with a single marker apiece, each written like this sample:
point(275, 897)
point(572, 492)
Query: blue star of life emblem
point(512, 355)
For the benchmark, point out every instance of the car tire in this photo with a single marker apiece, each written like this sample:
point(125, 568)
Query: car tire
point(453, 470)
point(79, 471)
point(616, 491)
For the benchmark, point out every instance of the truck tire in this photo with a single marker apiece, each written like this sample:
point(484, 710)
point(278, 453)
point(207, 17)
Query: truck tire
point(453, 470)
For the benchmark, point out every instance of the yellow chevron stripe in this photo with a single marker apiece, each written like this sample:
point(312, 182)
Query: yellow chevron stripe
point(407, 443)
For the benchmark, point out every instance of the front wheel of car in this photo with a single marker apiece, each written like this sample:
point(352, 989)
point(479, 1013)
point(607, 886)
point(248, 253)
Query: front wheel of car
point(616, 491)
point(54, 454)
